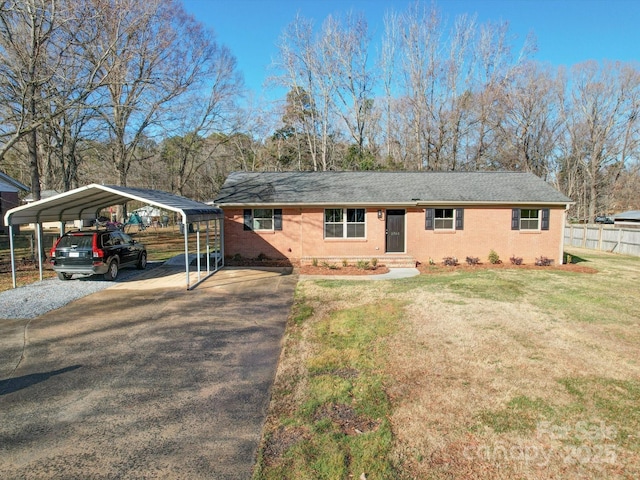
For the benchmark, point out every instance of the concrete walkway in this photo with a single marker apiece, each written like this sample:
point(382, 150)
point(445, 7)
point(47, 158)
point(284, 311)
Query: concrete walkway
point(144, 383)
point(392, 274)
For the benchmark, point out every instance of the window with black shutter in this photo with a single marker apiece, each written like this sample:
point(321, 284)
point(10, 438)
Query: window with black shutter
point(428, 219)
point(545, 219)
point(459, 218)
point(515, 219)
point(277, 219)
point(248, 219)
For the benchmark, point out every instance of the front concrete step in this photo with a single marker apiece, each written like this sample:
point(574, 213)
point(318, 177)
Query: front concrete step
point(391, 261)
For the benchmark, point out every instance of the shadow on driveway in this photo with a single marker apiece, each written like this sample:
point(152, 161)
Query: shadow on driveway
point(18, 383)
point(158, 383)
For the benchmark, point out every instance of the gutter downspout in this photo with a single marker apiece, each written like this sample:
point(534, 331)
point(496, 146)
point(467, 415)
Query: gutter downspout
point(564, 226)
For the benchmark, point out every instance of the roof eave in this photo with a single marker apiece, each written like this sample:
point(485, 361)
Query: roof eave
point(393, 204)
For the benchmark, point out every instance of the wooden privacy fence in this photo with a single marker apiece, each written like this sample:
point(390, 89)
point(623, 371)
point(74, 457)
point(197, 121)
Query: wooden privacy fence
point(603, 237)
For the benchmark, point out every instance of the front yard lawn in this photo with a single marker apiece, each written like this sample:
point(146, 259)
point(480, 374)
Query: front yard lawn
point(469, 373)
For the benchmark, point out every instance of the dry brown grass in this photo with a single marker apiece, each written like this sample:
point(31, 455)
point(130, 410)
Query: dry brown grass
point(500, 372)
point(481, 386)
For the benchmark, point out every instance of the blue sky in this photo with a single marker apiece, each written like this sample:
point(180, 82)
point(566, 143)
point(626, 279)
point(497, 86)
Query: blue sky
point(567, 31)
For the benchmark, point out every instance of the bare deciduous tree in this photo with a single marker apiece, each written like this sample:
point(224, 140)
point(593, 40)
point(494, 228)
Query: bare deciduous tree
point(345, 47)
point(37, 40)
point(601, 123)
point(154, 52)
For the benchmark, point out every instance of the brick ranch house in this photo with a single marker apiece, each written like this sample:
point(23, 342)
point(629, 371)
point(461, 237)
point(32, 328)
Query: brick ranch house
point(398, 218)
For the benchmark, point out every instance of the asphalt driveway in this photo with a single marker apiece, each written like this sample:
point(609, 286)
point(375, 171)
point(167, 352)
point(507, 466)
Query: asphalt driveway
point(130, 383)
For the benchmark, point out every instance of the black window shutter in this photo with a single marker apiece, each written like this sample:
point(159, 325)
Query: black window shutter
point(515, 219)
point(459, 218)
point(545, 219)
point(428, 219)
point(277, 219)
point(248, 219)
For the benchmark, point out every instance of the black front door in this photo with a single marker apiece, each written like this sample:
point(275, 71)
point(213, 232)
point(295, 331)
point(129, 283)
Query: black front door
point(395, 231)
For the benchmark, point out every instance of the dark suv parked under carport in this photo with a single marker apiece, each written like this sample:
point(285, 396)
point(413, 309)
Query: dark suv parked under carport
point(101, 252)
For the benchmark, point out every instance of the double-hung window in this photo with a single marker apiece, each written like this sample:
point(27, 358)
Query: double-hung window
point(443, 219)
point(263, 219)
point(344, 223)
point(530, 219)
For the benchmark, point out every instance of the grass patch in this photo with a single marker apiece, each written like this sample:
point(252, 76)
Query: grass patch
point(500, 285)
point(301, 310)
point(616, 402)
point(341, 403)
point(521, 415)
point(462, 374)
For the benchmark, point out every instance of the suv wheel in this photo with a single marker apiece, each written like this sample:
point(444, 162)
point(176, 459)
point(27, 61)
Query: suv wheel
point(64, 276)
point(142, 261)
point(112, 270)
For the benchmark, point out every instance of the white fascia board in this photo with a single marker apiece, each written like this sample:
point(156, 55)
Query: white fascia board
point(392, 204)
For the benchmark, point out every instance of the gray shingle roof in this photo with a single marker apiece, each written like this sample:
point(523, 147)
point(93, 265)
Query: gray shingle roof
point(377, 188)
point(629, 215)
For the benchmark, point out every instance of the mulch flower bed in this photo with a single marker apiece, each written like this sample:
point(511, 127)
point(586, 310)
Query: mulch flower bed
point(340, 270)
point(439, 268)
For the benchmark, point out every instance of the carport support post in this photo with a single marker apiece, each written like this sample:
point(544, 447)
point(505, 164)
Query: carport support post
point(13, 256)
point(39, 233)
point(186, 247)
point(208, 248)
point(220, 230)
point(198, 249)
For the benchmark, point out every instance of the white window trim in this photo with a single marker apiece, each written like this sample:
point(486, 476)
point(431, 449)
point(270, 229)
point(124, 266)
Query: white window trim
point(452, 218)
point(344, 224)
point(538, 219)
point(254, 217)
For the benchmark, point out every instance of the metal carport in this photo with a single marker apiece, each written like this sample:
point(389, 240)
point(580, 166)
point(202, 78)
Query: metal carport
point(85, 203)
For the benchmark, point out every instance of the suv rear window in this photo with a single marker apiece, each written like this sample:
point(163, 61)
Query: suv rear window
point(76, 241)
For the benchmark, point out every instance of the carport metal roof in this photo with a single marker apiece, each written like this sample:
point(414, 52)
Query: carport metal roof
point(85, 203)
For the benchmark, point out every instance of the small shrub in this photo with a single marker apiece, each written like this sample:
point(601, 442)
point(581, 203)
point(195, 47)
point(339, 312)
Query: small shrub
point(473, 260)
point(493, 257)
point(431, 262)
point(544, 262)
point(262, 257)
point(345, 263)
point(314, 262)
point(237, 257)
point(363, 264)
point(330, 266)
point(450, 261)
point(374, 263)
point(516, 260)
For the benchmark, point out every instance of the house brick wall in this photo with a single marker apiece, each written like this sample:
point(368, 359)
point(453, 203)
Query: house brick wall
point(485, 228)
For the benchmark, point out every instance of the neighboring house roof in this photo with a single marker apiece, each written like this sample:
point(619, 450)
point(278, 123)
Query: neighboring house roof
point(10, 184)
point(386, 188)
point(632, 215)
